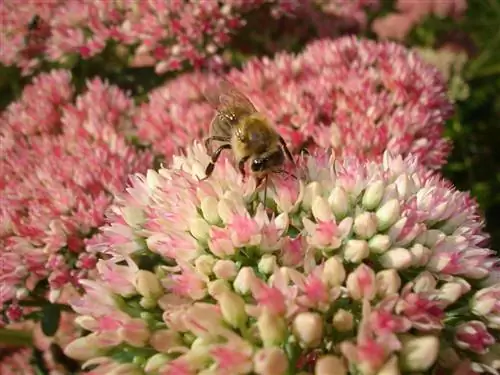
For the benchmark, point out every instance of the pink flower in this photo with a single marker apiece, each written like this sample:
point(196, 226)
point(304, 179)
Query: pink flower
point(363, 103)
point(486, 303)
point(60, 180)
point(239, 279)
point(398, 25)
point(474, 336)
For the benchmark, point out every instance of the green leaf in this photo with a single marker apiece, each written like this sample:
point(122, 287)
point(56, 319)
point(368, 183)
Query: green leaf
point(50, 319)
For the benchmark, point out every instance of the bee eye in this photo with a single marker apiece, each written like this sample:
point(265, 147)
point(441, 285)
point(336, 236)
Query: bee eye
point(258, 165)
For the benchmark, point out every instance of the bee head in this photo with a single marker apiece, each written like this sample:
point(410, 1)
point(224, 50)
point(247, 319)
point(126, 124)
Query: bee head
point(268, 161)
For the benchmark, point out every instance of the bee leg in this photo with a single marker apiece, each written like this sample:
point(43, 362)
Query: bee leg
point(215, 157)
point(241, 165)
point(215, 138)
point(287, 152)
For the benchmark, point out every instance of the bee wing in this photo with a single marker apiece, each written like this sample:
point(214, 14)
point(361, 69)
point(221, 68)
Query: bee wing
point(229, 102)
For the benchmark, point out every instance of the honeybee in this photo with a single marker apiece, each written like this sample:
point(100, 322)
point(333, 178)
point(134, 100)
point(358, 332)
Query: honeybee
point(245, 131)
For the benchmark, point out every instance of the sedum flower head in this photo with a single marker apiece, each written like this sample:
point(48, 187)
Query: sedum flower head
point(61, 168)
point(357, 96)
point(168, 35)
point(354, 264)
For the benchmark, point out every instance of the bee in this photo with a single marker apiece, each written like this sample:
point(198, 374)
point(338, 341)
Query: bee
point(241, 128)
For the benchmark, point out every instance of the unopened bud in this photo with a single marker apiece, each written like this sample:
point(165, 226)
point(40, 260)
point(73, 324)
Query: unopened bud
point(365, 225)
point(209, 209)
point(308, 327)
point(373, 195)
point(424, 282)
point(356, 250)
point(272, 329)
point(233, 309)
point(418, 353)
point(330, 365)
point(361, 283)
point(225, 269)
point(155, 362)
point(267, 264)
point(244, 280)
point(333, 272)
point(388, 214)
point(199, 228)
point(339, 202)
point(217, 287)
point(148, 285)
point(379, 243)
point(270, 361)
point(343, 320)
point(204, 264)
point(421, 255)
point(388, 283)
point(398, 259)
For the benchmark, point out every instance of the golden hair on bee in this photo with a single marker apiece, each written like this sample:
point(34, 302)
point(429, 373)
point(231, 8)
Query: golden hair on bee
point(239, 127)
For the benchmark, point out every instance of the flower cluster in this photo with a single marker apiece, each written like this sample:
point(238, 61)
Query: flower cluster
point(63, 159)
point(410, 13)
point(358, 96)
point(374, 267)
point(166, 34)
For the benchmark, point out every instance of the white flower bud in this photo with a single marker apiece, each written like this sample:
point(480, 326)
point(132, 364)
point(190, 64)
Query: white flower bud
point(388, 283)
point(339, 202)
point(398, 258)
point(356, 250)
point(225, 269)
point(373, 195)
point(365, 225)
point(343, 320)
point(308, 327)
point(424, 282)
point(330, 365)
point(244, 280)
point(451, 292)
point(155, 362)
point(270, 361)
point(209, 206)
point(148, 285)
point(320, 209)
point(418, 353)
point(311, 191)
point(333, 272)
point(388, 214)
point(267, 264)
point(420, 254)
point(379, 243)
point(217, 287)
point(204, 264)
point(199, 228)
point(272, 329)
point(232, 308)
point(361, 283)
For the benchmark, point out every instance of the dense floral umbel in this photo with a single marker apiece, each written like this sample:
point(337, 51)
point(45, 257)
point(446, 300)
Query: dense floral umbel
point(358, 96)
point(61, 167)
point(167, 34)
point(367, 266)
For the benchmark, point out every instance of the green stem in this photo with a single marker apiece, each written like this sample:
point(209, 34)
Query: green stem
point(15, 337)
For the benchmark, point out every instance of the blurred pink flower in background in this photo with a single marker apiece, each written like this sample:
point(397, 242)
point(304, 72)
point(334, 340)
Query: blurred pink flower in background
point(62, 162)
point(404, 247)
point(166, 34)
point(357, 96)
point(410, 13)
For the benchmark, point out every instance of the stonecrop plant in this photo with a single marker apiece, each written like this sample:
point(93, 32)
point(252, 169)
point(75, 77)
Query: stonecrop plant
point(357, 96)
point(354, 266)
point(64, 157)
